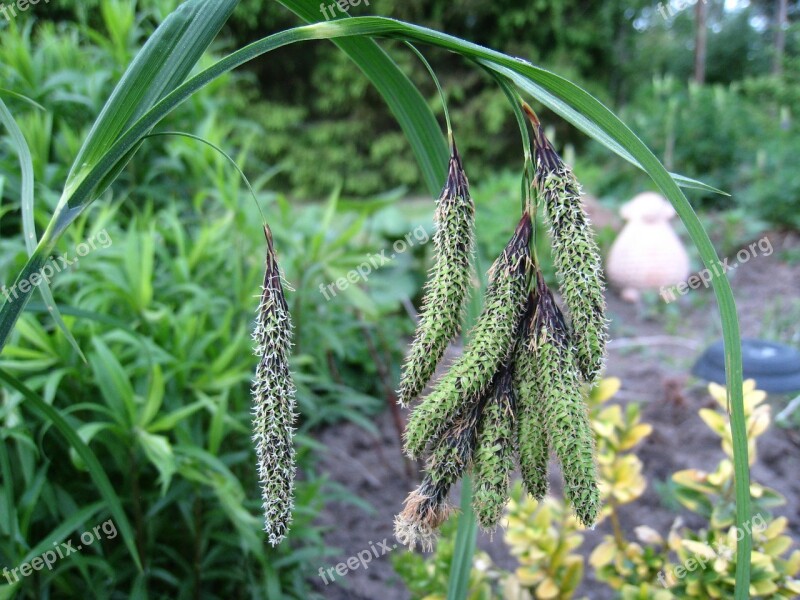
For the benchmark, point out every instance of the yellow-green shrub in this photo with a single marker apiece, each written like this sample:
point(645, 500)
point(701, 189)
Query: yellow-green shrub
point(702, 564)
point(545, 537)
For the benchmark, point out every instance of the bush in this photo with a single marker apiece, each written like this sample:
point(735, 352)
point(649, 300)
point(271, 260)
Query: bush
point(163, 317)
point(737, 138)
point(545, 537)
point(774, 190)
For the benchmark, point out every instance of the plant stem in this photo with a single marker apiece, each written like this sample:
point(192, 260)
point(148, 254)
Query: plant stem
point(450, 138)
point(619, 537)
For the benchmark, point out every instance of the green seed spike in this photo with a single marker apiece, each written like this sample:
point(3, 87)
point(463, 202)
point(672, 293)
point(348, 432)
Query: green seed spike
point(447, 289)
point(492, 341)
point(273, 402)
point(494, 453)
point(575, 254)
point(425, 510)
point(451, 455)
point(565, 413)
point(531, 435)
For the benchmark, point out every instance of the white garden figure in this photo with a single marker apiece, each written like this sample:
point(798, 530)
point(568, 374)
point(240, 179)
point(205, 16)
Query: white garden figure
point(647, 254)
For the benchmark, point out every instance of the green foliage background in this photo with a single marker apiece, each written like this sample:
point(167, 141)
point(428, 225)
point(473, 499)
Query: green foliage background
point(325, 126)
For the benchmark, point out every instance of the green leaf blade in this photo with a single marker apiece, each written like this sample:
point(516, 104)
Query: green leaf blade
point(96, 471)
point(28, 223)
point(403, 98)
point(160, 66)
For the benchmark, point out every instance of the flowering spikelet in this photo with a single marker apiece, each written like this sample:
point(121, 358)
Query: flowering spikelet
point(494, 452)
point(448, 286)
point(531, 434)
point(575, 254)
point(425, 510)
point(565, 413)
point(492, 341)
point(451, 455)
point(273, 399)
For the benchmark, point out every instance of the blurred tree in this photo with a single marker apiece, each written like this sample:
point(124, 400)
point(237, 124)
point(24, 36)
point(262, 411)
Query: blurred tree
point(781, 21)
point(318, 110)
point(700, 41)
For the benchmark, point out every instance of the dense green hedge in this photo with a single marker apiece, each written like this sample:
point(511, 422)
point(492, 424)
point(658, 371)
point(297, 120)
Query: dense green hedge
point(325, 126)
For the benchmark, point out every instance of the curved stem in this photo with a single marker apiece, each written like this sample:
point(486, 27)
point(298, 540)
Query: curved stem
point(526, 183)
point(515, 100)
point(442, 95)
point(227, 156)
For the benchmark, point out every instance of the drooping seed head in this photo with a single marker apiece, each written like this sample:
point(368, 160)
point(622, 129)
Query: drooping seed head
point(451, 455)
point(564, 409)
point(425, 510)
point(273, 402)
point(491, 343)
point(575, 254)
point(447, 288)
point(530, 432)
point(494, 453)
point(426, 507)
